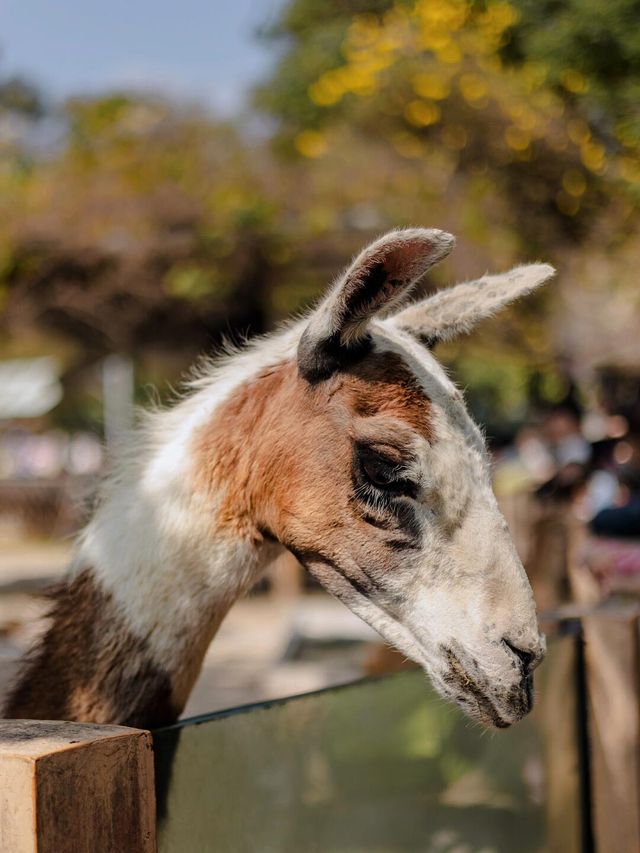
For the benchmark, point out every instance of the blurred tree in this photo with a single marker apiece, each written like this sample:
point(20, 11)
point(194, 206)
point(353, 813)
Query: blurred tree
point(514, 124)
point(498, 89)
point(22, 106)
point(149, 226)
point(591, 53)
point(313, 34)
point(19, 97)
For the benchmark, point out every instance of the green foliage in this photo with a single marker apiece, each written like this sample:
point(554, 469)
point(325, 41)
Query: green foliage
point(19, 97)
point(591, 50)
point(313, 34)
point(148, 217)
point(540, 98)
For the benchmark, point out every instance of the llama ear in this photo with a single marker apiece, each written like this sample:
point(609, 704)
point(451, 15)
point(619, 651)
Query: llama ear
point(379, 278)
point(456, 310)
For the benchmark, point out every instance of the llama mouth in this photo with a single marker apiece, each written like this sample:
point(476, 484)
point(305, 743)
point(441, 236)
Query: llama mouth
point(468, 691)
point(495, 708)
point(456, 683)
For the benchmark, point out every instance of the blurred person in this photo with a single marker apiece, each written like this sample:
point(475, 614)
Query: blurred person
point(603, 485)
point(569, 450)
point(84, 454)
point(612, 551)
point(623, 519)
point(46, 454)
point(522, 463)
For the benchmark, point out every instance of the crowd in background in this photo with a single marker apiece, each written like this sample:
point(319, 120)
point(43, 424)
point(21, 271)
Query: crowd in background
point(586, 462)
point(49, 453)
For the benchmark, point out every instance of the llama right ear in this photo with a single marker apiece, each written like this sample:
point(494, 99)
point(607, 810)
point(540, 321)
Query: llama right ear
point(456, 310)
point(377, 281)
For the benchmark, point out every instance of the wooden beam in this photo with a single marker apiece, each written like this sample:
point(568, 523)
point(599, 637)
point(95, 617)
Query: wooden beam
point(75, 787)
point(613, 688)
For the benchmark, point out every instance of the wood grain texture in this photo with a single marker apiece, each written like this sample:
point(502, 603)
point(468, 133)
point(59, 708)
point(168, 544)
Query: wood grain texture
point(613, 685)
point(75, 788)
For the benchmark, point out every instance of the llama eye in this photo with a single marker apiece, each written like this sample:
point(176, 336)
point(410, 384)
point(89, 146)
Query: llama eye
point(379, 473)
point(385, 476)
point(380, 476)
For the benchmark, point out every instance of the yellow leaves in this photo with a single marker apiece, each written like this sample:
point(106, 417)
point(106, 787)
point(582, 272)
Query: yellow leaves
point(363, 31)
point(629, 169)
point(311, 143)
point(408, 145)
point(449, 53)
point(336, 83)
point(370, 47)
point(445, 15)
point(474, 89)
point(431, 85)
point(496, 19)
point(516, 138)
point(626, 135)
point(574, 183)
point(437, 25)
point(326, 91)
point(567, 204)
point(523, 116)
point(333, 85)
point(533, 75)
point(574, 81)
point(592, 155)
point(370, 34)
point(433, 39)
point(578, 131)
point(422, 113)
point(427, 48)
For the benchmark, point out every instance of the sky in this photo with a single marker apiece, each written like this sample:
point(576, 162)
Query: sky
point(204, 50)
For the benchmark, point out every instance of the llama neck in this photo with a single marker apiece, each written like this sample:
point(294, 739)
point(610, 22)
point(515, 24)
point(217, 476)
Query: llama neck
point(154, 575)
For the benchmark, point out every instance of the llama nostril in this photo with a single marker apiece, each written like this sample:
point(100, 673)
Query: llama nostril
point(527, 658)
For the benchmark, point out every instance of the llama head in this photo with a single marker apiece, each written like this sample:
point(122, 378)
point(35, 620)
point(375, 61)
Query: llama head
point(412, 540)
point(371, 471)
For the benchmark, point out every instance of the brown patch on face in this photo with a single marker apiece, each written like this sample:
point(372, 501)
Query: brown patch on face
point(88, 666)
point(279, 454)
point(383, 385)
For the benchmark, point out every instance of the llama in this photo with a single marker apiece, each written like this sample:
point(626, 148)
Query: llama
point(339, 438)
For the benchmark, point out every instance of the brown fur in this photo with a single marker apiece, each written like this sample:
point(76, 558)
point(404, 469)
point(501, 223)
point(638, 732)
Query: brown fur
point(89, 667)
point(383, 385)
point(290, 477)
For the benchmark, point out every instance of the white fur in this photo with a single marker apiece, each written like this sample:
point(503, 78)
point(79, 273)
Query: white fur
point(466, 590)
point(456, 310)
point(152, 540)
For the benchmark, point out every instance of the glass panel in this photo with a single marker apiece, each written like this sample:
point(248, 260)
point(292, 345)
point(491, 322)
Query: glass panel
point(382, 766)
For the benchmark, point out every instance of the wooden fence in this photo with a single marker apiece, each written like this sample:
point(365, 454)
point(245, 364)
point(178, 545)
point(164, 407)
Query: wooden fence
point(381, 765)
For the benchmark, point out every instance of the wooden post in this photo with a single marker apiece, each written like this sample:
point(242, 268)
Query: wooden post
point(613, 688)
point(76, 788)
point(557, 712)
point(547, 559)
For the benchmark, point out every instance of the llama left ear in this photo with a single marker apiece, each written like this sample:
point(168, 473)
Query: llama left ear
point(456, 310)
point(377, 281)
